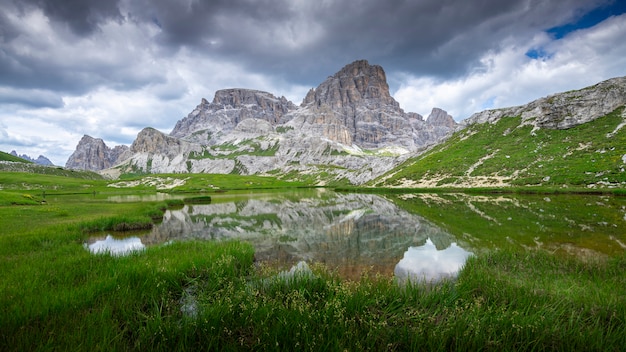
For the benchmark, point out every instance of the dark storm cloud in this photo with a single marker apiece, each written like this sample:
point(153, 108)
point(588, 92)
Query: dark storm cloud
point(299, 42)
point(37, 99)
point(304, 42)
point(82, 16)
point(66, 53)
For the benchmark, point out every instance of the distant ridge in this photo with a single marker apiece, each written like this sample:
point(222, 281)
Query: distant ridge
point(41, 160)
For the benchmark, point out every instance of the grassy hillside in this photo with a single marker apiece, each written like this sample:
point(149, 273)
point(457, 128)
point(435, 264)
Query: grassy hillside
point(8, 157)
point(508, 153)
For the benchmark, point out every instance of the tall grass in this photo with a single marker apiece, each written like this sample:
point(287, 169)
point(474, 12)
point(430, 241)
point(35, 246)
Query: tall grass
point(55, 295)
point(209, 296)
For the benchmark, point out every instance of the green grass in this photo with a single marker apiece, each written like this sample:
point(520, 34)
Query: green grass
point(209, 295)
point(578, 157)
point(8, 157)
point(197, 200)
point(202, 295)
point(48, 182)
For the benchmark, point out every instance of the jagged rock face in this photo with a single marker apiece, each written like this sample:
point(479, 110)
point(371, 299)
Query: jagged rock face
point(41, 160)
point(150, 140)
point(563, 110)
point(358, 83)
point(94, 155)
point(357, 98)
point(209, 121)
point(352, 107)
point(441, 118)
point(156, 152)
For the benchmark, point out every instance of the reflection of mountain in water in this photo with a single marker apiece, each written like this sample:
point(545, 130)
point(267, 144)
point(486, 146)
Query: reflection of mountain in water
point(361, 230)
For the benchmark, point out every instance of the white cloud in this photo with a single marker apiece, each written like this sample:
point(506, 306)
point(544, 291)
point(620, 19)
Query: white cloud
point(509, 77)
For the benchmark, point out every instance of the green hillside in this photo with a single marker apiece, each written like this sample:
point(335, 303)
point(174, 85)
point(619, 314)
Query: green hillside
point(507, 153)
point(8, 157)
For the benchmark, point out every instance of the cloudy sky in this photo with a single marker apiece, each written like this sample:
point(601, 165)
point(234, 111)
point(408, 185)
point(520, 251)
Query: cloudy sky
point(110, 68)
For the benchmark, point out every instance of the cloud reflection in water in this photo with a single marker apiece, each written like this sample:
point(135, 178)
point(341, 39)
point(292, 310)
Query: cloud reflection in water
point(116, 246)
point(426, 263)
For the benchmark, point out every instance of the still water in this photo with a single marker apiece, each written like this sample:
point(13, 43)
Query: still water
point(412, 236)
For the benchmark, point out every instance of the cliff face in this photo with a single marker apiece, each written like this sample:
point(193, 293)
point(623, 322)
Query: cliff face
point(210, 121)
point(349, 127)
point(354, 107)
point(94, 155)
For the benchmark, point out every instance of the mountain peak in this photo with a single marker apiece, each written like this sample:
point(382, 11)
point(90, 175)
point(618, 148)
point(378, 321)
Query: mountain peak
point(93, 154)
point(229, 107)
point(440, 117)
point(357, 82)
point(41, 160)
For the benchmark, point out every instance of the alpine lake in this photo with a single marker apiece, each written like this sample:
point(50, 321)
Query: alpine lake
point(411, 236)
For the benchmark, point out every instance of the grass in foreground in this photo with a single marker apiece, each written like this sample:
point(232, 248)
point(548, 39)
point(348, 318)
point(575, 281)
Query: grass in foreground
point(209, 296)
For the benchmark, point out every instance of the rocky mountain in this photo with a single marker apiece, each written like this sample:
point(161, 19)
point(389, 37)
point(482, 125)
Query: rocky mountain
point(349, 127)
point(570, 139)
point(354, 107)
point(94, 155)
point(563, 110)
point(210, 121)
point(41, 160)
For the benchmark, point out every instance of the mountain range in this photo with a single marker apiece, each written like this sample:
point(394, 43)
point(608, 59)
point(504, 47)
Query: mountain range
point(350, 130)
point(41, 160)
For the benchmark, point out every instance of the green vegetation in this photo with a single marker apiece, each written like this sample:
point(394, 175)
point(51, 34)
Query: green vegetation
point(31, 168)
point(92, 183)
point(56, 295)
point(587, 155)
point(8, 157)
point(283, 129)
point(203, 295)
point(197, 200)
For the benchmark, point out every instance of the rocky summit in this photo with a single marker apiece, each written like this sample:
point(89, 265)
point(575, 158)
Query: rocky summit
point(349, 128)
point(94, 155)
point(211, 121)
point(354, 107)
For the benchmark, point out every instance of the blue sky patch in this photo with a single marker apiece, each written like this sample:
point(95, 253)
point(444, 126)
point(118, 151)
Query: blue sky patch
point(538, 53)
point(586, 20)
point(589, 19)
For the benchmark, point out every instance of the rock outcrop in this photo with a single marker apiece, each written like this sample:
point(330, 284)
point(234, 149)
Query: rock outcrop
point(209, 121)
point(94, 155)
point(563, 110)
